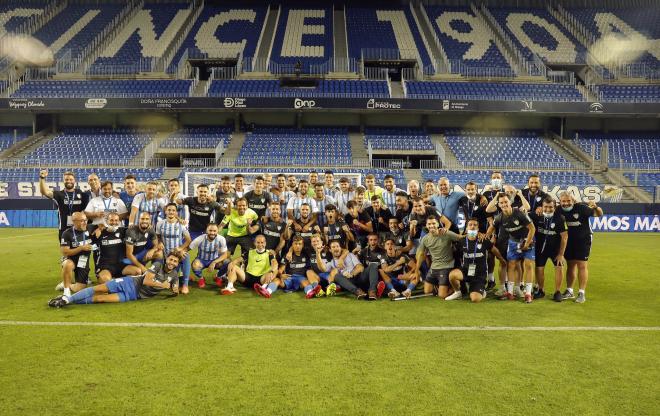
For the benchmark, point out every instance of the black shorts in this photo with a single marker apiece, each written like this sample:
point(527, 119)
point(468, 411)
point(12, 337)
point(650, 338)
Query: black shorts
point(542, 258)
point(474, 283)
point(250, 280)
point(502, 246)
point(438, 277)
point(81, 275)
point(458, 255)
point(578, 250)
point(114, 269)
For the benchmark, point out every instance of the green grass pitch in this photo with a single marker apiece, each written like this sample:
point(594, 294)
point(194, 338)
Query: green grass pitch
point(138, 370)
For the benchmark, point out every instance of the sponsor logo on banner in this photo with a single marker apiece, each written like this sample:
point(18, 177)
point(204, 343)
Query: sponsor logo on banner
point(445, 104)
point(528, 106)
point(96, 103)
point(596, 108)
point(163, 102)
point(382, 105)
point(22, 104)
point(299, 103)
point(231, 102)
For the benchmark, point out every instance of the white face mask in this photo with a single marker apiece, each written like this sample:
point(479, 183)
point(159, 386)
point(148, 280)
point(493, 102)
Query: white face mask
point(472, 233)
point(548, 214)
point(497, 183)
point(472, 198)
point(111, 228)
point(568, 208)
point(260, 251)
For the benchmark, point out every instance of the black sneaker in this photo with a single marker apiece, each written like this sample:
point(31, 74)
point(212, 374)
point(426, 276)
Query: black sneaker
point(373, 295)
point(557, 296)
point(490, 285)
point(360, 294)
point(57, 302)
point(539, 294)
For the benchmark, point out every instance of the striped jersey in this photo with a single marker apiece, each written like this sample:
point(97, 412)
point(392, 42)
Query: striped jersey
point(143, 204)
point(320, 205)
point(296, 202)
point(171, 234)
point(209, 250)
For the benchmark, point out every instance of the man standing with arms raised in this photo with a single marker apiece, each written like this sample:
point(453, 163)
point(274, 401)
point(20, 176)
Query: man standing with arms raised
point(69, 200)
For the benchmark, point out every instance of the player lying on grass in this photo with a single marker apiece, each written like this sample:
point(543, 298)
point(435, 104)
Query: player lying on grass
point(397, 272)
point(158, 278)
point(474, 271)
point(260, 267)
point(294, 273)
point(212, 255)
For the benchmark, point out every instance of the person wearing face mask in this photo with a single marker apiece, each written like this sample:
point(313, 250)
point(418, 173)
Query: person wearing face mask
point(578, 246)
point(551, 237)
point(474, 268)
point(104, 204)
point(473, 207)
point(69, 200)
point(109, 238)
point(533, 194)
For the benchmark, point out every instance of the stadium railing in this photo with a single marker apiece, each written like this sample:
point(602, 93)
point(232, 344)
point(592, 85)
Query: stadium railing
point(91, 162)
point(448, 95)
point(476, 164)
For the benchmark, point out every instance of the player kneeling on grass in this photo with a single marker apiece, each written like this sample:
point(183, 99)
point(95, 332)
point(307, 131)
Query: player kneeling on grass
point(295, 272)
point(156, 279)
point(212, 255)
point(319, 259)
point(141, 246)
point(398, 280)
point(260, 268)
point(76, 247)
point(438, 243)
point(475, 268)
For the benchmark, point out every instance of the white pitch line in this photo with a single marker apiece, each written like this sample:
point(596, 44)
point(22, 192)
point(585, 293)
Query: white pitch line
point(331, 328)
point(25, 235)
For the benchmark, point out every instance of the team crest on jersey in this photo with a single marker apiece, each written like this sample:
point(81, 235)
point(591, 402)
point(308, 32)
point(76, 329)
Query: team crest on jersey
point(262, 200)
point(538, 199)
point(552, 225)
point(478, 246)
point(117, 235)
point(516, 222)
point(475, 208)
point(576, 215)
point(77, 195)
point(146, 235)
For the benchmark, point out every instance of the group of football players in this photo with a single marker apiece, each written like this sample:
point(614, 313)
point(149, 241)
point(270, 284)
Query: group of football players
point(319, 236)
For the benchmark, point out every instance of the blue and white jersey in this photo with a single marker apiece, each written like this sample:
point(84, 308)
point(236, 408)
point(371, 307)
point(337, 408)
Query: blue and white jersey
point(182, 209)
point(171, 234)
point(283, 199)
point(296, 202)
point(209, 250)
point(390, 199)
point(342, 199)
point(143, 204)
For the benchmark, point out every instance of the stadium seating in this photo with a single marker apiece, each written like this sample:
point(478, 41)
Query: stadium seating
point(309, 39)
point(624, 23)
point(91, 146)
point(215, 35)
point(647, 180)
point(629, 93)
point(397, 139)
point(147, 35)
point(283, 146)
point(515, 178)
point(76, 26)
point(104, 89)
point(272, 88)
point(492, 91)
point(452, 24)
point(633, 149)
point(55, 174)
point(537, 31)
point(13, 13)
point(376, 28)
point(502, 149)
point(7, 136)
point(198, 138)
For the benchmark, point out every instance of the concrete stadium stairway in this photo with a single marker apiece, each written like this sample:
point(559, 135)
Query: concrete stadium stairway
point(450, 157)
point(411, 174)
point(27, 146)
point(267, 37)
point(358, 150)
point(438, 56)
point(339, 35)
point(234, 148)
point(158, 138)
